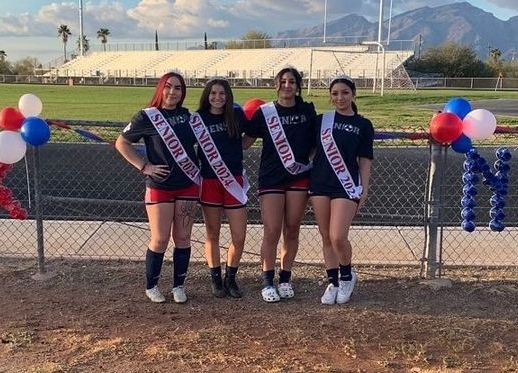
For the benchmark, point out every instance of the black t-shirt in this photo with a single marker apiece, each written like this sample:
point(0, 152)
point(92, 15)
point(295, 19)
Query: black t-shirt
point(354, 137)
point(298, 123)
point(140, 127)
point(229, 148)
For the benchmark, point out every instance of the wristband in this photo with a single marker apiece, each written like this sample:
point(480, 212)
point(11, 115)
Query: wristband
point(143, 167)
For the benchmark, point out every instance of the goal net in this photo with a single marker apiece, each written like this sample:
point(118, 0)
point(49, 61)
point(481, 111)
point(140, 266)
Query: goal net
point(370, 68)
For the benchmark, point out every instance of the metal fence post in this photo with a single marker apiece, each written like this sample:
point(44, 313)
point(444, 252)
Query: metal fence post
point(37, 209)
point(434, 212)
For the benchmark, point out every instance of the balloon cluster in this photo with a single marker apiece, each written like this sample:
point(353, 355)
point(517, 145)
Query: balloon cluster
point(19, 127)
point(498, 183)
point(251, 106)
point(7, 200)
point(457, 124)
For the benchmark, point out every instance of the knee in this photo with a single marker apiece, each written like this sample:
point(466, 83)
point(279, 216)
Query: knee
point(159, 245)
point(291, 232)
point(338, 242)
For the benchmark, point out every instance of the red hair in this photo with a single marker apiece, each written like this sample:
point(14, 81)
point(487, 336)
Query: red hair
point(156, 101)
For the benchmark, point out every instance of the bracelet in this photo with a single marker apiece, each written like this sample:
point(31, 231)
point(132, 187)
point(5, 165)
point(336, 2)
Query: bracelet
point(143, 167)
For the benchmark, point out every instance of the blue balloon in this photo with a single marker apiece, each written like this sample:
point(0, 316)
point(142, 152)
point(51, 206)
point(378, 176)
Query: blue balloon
point(470, 177)
point(459, 106)
point(35, 131)
point(238, 107)
point(468, 225)
point(470, 165)
point(472, 154)
point(497, 201)
point(496, 225)
point(496, 213)
point(468, 202)
point(467, 214)
point(502, 166)
point(462, 144)
point(469, 190)
point(504, 154)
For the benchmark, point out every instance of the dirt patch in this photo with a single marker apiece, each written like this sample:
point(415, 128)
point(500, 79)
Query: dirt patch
point(94, 317)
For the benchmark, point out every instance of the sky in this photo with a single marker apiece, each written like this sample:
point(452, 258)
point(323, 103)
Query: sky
point(28, 28)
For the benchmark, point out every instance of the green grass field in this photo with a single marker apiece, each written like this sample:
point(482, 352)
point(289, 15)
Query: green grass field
point(395, 110)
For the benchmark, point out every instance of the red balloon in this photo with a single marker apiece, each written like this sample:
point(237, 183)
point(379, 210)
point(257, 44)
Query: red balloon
point(251, 106)
point(11, 119)
point(20, 214)
point(445, 127)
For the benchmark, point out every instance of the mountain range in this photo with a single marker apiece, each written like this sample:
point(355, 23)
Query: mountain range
point(461, 23)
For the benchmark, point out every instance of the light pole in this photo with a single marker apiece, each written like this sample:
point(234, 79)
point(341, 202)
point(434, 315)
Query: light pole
point(380, 46)
point(325, 20)
point(380, 25)
point(81, 47)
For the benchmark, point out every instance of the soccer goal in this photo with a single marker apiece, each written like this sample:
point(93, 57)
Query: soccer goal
point(370, 68)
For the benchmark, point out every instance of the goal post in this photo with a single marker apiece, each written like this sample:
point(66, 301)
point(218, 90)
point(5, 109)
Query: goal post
point(363, 64)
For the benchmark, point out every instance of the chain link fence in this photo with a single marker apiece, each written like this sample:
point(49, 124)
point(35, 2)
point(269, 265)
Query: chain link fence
point(85, 201)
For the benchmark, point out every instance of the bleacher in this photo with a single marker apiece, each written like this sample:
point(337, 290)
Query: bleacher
point(249, 66)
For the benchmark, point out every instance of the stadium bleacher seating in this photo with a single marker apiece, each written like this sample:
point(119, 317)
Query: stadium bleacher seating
point(243, 64)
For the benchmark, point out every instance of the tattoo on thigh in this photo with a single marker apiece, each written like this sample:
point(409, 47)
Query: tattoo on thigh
point(188, 212)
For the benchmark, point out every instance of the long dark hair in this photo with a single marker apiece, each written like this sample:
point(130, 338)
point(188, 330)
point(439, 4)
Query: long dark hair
point(298, 80)
point(228, 110)
point(347, 80)
point(156, 101)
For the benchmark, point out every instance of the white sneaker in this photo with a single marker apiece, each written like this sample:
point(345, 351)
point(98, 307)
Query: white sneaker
point(179, 295)
point(270, 295)
point(285, 290)
point(155, 295)
point(330, 294)
point(345, 289)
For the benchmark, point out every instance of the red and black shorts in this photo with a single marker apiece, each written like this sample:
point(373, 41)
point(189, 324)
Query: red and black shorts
point(301, 185)
point(214, 194)
point(154, 196)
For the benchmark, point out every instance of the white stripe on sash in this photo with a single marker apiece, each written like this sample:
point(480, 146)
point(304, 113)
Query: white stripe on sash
point(173, 144)
point(335, 158)
point(280, 141)
point(209, 148)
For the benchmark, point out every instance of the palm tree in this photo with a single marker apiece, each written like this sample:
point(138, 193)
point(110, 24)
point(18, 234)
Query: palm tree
point(102, 34)
point(86, 45)
point(3, 55)
point(64, 33)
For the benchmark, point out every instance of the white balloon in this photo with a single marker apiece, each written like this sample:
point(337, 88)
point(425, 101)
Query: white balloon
point(479, 124)
point(30, 105)
point(12, 147)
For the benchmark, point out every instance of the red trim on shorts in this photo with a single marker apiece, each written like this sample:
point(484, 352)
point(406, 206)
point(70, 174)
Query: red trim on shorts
point(154, 195)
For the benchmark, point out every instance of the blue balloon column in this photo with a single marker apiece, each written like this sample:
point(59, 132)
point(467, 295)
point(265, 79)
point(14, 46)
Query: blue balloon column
point(497, 182)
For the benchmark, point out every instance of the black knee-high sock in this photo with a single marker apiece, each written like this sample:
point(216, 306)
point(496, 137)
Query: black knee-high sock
point(332, 276)
point(181, 257)
point(345, 272)
point(230, 272)
point(153, 268)
point(284, 276)
point(268, 278)
point(215, 273)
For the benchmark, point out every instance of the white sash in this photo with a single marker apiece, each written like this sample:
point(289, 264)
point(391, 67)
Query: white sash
point(173, 144)
point(280, 141)
point(335, 158)
point(217, 164)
